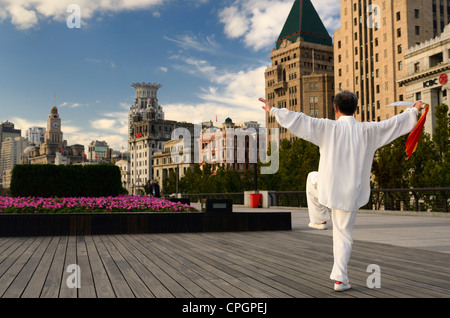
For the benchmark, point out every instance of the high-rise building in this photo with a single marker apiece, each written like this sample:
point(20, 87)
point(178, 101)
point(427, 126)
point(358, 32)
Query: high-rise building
point(370, 45)
point(147, 132)
point(301, 77)
point(11, 154)
point(35, 135)
point(7, 130)
point(98, 151)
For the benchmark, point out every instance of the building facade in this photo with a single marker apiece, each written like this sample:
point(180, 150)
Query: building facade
point(301, 77)
point(35, 135)
point(148, 130)
point(165, 163)
point(11, 154)
point(232, 145)
point(54, 149)
point(7, 130)
point(370, 46)
point(99, 151)
point(427, 74)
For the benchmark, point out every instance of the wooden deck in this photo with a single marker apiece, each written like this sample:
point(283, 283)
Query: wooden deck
point(281, 264)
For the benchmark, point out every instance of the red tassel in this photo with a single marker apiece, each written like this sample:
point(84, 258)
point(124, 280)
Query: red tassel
point(414, 136)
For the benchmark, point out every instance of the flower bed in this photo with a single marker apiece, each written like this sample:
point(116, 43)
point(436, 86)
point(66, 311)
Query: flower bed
point(90, 205)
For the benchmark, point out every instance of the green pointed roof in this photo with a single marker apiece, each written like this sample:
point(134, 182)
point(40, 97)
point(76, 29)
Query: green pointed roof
point(303, 21)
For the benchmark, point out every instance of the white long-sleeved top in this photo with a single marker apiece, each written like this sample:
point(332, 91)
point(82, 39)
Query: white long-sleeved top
point(347, 148)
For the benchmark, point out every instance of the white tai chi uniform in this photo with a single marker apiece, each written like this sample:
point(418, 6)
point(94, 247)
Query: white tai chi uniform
point(342, 184)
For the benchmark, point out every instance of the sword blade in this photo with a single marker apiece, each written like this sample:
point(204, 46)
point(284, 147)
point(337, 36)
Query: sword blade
point(409, 104)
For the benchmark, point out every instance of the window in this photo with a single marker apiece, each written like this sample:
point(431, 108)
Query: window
point(416, 13)
point(417, 30)
point(399, 32)
point(398, 16)
point(399, 49)
point(400, 65)
point(417, 67)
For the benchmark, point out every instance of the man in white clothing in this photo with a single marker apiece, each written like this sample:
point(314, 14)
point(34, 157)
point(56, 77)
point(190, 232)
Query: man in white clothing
point(342, 182)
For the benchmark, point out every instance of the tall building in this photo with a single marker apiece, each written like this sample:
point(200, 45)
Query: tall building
point(301, 77)
point(7, 130)
point(35, 135)
point(147, 132)
point(370, 47)
point(54, 149)
point(98, 151)
point(11, 154)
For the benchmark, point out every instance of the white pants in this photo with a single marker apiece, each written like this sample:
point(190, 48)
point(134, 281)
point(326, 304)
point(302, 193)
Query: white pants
point(343, 222)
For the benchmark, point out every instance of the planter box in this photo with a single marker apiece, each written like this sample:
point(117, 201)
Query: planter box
point(139, 223)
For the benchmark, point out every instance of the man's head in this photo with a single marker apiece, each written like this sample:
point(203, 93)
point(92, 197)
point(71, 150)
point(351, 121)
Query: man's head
point(346, 102)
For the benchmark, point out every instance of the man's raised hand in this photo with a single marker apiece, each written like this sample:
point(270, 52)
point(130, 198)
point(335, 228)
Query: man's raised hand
point(419, 105)
point(267, 106)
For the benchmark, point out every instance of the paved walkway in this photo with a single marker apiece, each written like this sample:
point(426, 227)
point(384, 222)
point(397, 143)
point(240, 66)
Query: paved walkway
point(428, 231)
point(412, 253)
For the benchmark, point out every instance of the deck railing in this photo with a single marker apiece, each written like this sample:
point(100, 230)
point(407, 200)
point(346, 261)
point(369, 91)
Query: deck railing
point(417, 199)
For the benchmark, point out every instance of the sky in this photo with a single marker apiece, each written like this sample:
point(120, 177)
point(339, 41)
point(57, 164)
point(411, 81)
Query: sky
point(208, 55)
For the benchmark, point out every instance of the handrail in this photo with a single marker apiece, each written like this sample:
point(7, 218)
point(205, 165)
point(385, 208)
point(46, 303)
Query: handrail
point(404, 199)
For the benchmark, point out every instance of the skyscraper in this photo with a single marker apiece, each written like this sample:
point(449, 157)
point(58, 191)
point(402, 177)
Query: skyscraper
point(370, 45)
point(301, 77)
point(147, 132)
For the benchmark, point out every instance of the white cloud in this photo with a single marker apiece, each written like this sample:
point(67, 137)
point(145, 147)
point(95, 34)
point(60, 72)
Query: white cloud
point(259, 22)
point(26, 14)
point(228, 94)
point(330, 13)
point(201, 44)
point(23, 124)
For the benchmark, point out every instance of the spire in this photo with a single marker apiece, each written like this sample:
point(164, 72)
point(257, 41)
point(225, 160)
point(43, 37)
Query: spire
point(304, 21)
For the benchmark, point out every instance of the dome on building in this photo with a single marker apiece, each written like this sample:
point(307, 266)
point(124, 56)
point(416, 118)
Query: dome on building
point(228, 121)
point(54, 110)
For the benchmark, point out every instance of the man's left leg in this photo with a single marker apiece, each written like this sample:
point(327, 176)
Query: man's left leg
point(343, 222)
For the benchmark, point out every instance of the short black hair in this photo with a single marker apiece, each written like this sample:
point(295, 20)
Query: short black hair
point(346, 102)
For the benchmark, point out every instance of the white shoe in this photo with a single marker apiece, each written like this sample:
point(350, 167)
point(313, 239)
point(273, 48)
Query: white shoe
point(338, 286)
point(316, 226)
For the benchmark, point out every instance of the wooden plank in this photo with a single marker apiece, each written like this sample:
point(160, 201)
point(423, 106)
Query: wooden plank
point(70, 259)
point(17, 261)
point(201, 266)
point(103, 287)
point(136, 285)
point(251, 272)
point(54, 277)
point(243, 264)
point(87, 288)
point(21, 281)
point(138, 265)
point(118, 282)
point(7, 254)
point(167, 275)
point(200, 277)
point(223, 266)
point(37, 281)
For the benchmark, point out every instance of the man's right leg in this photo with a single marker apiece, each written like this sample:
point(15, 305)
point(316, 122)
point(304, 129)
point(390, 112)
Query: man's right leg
point(318, 214)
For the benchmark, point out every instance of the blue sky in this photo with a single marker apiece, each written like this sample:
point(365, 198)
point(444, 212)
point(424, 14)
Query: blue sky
point(209, 55)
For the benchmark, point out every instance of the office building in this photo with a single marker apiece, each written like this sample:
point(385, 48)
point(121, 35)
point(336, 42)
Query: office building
point(301, 77)
point(370, 46)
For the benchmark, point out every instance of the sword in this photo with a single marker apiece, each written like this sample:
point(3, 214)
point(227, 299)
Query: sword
point(409, 104)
